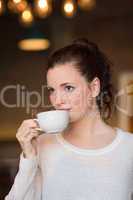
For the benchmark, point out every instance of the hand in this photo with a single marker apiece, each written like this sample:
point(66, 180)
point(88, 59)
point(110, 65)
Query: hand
point(27, 137)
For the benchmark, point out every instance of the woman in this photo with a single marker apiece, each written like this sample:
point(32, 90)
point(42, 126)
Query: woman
point(90, 160)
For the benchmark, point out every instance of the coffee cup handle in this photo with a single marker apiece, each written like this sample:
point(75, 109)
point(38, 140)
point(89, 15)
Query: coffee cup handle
point(36, 120)
point(38, 128)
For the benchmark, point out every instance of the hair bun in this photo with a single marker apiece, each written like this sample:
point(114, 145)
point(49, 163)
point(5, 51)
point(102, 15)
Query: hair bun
point(83, 42)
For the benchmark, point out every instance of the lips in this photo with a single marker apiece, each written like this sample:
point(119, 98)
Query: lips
point(68, 109)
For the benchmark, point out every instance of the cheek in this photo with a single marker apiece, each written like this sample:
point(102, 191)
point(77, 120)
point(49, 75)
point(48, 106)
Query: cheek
point(76, 101)
point(79, 100)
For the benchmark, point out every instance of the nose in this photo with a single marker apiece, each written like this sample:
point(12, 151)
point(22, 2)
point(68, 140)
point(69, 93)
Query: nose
point(59, 100)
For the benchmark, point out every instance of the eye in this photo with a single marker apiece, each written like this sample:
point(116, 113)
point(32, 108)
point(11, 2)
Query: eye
point(69, 88)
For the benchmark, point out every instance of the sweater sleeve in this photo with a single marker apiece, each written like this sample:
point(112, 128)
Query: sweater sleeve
point(27, 183)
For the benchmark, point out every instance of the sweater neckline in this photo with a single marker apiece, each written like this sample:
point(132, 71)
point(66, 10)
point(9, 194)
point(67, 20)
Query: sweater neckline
point(97, 151)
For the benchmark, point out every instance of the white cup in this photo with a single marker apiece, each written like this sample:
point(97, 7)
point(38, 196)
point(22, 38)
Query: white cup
point(53, 121)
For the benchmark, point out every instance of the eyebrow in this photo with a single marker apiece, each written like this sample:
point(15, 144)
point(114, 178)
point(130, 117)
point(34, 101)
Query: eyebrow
point(63, 84)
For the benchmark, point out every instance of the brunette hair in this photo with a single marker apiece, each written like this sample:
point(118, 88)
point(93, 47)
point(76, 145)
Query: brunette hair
point(91, 62)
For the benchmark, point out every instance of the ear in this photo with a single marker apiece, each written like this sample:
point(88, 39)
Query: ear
point(95, 87)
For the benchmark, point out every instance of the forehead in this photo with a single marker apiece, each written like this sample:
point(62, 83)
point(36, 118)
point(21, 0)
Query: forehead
point(64, 73)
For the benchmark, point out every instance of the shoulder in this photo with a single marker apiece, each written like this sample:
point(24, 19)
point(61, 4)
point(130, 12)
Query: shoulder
point(126, 144)
point(127, 136)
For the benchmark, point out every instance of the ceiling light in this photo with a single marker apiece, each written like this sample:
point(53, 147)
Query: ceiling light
point(34, 40)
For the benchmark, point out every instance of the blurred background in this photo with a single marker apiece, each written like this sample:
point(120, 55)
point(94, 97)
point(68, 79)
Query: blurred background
point(48, 25)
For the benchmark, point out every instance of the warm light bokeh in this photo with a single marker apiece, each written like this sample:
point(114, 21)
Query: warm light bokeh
point(43, 8)
point(26, 17)
point(34, 44)
point(69, 8)
point(87, 4)
point(2, 7)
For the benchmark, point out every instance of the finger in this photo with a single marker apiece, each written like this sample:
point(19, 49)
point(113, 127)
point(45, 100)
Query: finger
point(29, 123)
point(26, 124)
point(35, 120)
point(22, 132)
point(39, 129)
point(26, 132)
point(28, 138)
point(31, 136)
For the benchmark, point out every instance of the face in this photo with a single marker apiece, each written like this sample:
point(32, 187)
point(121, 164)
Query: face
point(69, 90)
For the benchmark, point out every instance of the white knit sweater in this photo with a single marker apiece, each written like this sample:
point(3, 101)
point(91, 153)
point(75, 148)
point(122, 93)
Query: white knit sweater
point(63, 171)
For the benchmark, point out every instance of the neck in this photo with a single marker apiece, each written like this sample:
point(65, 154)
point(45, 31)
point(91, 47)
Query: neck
point(87, 127)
